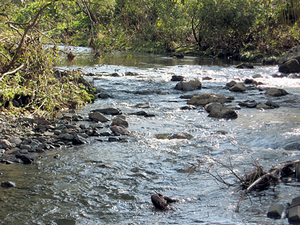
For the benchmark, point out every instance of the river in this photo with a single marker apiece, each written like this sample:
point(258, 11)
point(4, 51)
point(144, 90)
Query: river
point(77, 189)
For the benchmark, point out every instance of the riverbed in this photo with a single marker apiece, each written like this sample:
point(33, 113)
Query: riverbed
point(77, 188)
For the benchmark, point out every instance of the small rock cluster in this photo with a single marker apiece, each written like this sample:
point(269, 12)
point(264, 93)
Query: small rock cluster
point(24, 139)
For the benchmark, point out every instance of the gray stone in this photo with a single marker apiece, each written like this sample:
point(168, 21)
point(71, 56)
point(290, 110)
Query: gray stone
point(262, 106)
point(276, 92)
point(206, 98)
point(217, 110)
point(244, 66)
point(177, 78)
point(189, 86)
point(97, 116)
point(293, 212)
point(5, 143)
point(108, 111)
point(231, 84)
point(275, 211)
point(66, 136)
point(291, 66)
point(272, 104)
point(26, 147)
point(15, 140)
point(143, 105)
point(119, 122)
point(239, 87)
point(120, 130)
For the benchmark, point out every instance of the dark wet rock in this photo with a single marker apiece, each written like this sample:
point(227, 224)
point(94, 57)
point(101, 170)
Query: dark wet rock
point(270, 60)
point(276, 92)
point(231, 84)
point(186, 96)
point(244, 66)
point(177, 78)
point(248, 103)
point(206, 98)
point(292, 146)
point(218, 110)
point(272, 104)
point(66, 136)
point(5, 143)
point(250, 81)
point(113, 139)
point(27, 158)
point(8, 184)
point(275, 211)
point(189, 85)
point(118, 121)
point(188, 107)
point(119, 130)
point(144, 92)
point(143, 105)
point(98, 116)
point(181, 136)
point(291, 66)
point(131, 74)
point(230, 98)
point(41, 121)
point(115, 75)
point(162, 202)
point(104, 95)
point(78, 139)
point(238, 87)
point(108, 111)
point(206, 78)
point(105, 133)
point(139, 113)
point(293, 211)
point(149, 115)
point(263, 106)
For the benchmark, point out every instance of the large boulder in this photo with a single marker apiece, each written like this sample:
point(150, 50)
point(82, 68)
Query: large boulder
point(218, 110)
point(206, 98)
point(189, 86)
point(276, 92)
point(291, 66)
point(119, 121)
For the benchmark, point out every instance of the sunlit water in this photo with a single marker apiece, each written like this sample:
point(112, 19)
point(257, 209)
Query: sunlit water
point(76, 189)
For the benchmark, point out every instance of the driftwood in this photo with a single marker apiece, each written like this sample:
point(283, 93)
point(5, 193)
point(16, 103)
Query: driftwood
point(162, 202)
point(264, 181)
point(257, 180)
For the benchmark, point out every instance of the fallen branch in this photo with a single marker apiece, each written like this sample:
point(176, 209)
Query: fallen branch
point(11, 72)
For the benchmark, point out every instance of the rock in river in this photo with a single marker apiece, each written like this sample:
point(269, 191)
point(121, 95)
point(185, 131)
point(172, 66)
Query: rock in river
point(98, 116)
point(207, 98)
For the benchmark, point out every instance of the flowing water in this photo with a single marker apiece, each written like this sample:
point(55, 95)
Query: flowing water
point(77, 189)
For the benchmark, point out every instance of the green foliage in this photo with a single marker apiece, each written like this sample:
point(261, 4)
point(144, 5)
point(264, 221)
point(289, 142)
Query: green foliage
point(29, 82)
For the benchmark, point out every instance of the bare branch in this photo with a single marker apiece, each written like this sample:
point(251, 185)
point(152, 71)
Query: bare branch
point(11, 72)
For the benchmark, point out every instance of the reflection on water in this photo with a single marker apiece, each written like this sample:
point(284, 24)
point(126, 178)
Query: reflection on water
point(77, 189)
